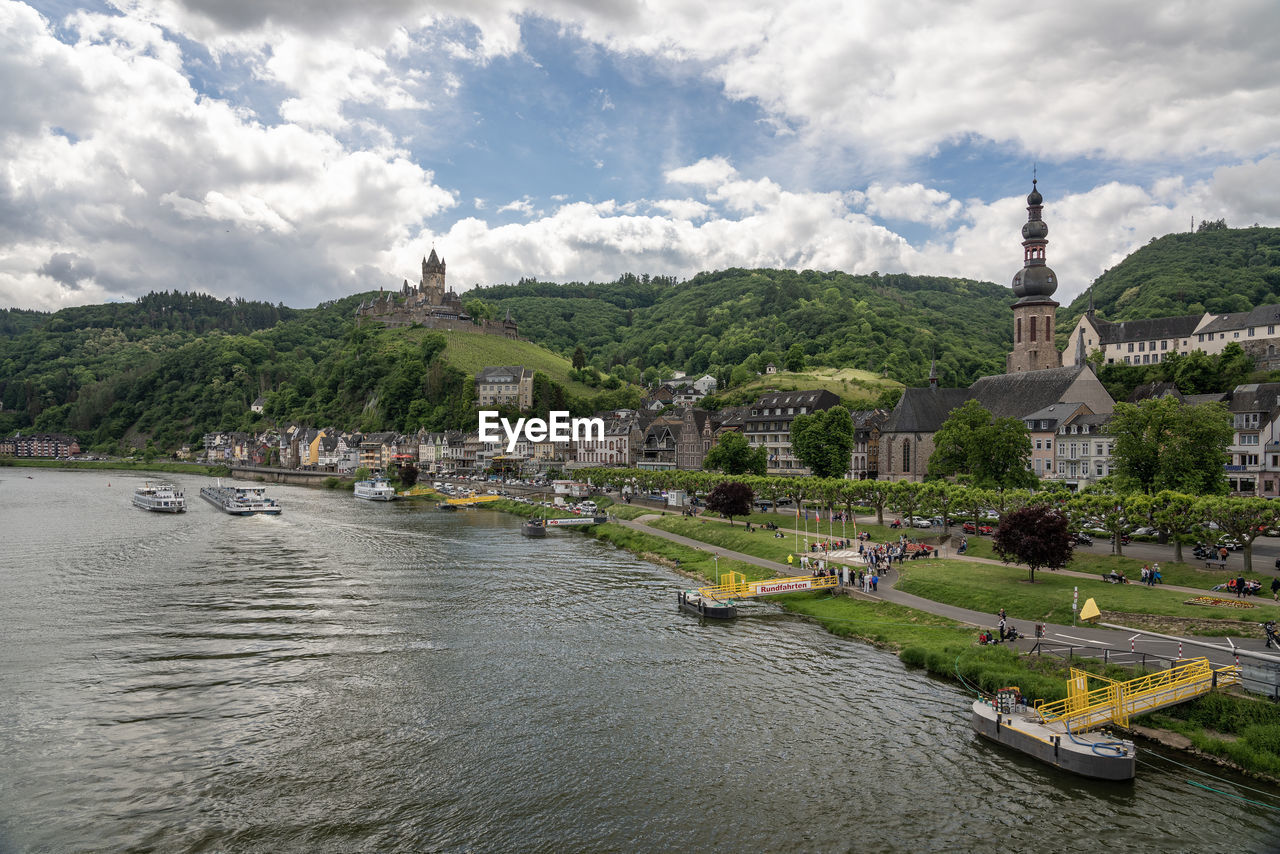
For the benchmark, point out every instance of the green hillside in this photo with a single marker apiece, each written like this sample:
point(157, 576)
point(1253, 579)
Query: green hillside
point(1218, 270)
point(730, 323)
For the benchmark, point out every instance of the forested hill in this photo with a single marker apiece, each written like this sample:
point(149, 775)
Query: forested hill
point(1215, 269)
point(743, 319)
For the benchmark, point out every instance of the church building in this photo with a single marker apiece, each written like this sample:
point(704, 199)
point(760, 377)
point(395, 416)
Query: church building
point(1034, 379)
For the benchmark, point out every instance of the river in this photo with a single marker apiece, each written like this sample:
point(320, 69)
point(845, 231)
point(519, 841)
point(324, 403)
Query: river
point(384, 677)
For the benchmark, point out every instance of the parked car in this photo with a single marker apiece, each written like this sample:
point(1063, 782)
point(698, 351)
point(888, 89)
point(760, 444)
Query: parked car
point(1144, 532)
point(970, 528)
point(918, 522)
point(1082, 539)
point(1231, 543)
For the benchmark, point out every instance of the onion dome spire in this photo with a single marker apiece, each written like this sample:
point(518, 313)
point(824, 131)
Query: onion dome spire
point(1035, 281)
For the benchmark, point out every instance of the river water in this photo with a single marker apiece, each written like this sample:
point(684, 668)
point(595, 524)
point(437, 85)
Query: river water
point(357, 677)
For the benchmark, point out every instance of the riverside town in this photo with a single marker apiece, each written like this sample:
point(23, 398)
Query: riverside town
point(900, 462)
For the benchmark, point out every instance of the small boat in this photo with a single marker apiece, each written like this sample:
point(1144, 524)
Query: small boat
point(1089, 754)
point(375, 489)
point(159, 498)
point(240, 500)
point(696, 603)
point(534, 528)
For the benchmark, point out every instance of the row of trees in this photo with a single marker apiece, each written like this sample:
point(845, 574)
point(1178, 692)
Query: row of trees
point(1178, 517)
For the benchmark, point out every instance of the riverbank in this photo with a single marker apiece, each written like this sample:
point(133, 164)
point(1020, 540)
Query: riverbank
point(1233, 730)
point(121, 465)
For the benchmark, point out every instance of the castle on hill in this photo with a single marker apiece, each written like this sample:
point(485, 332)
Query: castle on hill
point(431, 305)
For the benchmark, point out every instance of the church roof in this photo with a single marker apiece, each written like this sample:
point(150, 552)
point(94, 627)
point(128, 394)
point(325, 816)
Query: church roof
point(1014, 395)
point(922, 410)
point(1153, 390)
point(1148, 329)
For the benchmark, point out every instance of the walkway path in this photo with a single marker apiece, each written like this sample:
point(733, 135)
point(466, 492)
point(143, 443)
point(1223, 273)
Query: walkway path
point(1217, 652)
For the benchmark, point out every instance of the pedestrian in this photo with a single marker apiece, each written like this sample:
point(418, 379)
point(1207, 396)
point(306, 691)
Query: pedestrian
point(1155, 574)
point(1275, 589)
point(1239, 586)
point(875, 580)
point(1002, 617)
point(1222, 553)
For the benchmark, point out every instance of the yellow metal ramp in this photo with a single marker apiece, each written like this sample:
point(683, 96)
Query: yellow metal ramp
point(1116, 702)
point(472, 499)
point(738, 588)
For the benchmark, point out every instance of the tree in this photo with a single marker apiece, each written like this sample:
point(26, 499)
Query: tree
point(824, 441)
point(994, 452)
point(408, 475)
point(1107, 510)
point(579, 358)
point(1242, 518)
point(1037, 535)
point(795, 359)
point(1174, 514)
point(733, 455)
point(730, 498)
point(1165, 444)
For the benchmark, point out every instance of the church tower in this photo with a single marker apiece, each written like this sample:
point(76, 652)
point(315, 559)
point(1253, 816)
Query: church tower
point(432, 285)
point(1033, 314)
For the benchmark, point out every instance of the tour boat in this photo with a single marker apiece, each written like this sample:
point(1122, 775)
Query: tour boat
point(1089, 754)
point(240, 500)
point(375, 489)
point(160, 498)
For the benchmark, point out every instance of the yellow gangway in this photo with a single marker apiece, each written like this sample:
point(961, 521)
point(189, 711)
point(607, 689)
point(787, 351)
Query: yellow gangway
point(738, 588)
point(472, 499)
point(1115, 702)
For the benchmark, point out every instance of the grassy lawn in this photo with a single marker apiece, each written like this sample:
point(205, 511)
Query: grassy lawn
point(988, 588)
point(850, 384)
point(760, 543)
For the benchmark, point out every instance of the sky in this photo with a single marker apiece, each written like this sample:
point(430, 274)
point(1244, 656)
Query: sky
point(298, 151)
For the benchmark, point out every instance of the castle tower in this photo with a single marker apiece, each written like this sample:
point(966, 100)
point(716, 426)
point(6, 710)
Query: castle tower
point(432, 285)
point(1034, 284)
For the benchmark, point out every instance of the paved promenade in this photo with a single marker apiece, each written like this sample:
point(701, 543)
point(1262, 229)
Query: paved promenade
point(1217, 650)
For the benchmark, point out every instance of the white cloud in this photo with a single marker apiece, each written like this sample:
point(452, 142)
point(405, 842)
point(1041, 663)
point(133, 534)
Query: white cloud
point(911, 203)
point(125, 143)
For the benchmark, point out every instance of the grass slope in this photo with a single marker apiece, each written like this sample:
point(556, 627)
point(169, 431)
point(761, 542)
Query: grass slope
point(852, 385)
point(471, 352)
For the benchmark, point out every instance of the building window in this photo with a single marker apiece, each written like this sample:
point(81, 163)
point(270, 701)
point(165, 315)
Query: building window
point(1248, 438)
point(1142, 346)
point(1130, 346)
point(1164, 345)
point(1200, 337)
point(1233, 335)
point(1250, 331)
point(1032, 321)
point(1126, 360)
point(1097, 469)
point(906, 455)
point(1062, 467)
point(1048, 328)
point(1097, 450)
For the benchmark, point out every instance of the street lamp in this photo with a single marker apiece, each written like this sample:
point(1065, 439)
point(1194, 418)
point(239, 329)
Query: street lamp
point(716, 559)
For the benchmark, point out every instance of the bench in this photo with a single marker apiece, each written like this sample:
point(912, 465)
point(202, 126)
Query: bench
point(1215, 564)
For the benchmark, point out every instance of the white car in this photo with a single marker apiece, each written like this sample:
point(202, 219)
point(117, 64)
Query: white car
point(918, 522)
point(1144, 532)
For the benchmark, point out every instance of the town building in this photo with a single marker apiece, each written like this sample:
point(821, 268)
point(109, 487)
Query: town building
point(505, 386)
point(39, 445)
point(768, 425)
point(1034, 312)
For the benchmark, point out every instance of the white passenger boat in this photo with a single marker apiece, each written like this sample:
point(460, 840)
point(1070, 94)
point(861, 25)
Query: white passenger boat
point(375, 489)
point(240, 500)
point(160, 498)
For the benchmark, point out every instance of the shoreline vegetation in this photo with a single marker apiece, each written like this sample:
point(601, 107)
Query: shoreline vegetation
point(1231, 729)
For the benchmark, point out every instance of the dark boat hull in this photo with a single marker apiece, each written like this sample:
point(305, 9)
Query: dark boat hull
point(696, 604)
point(534, 531)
